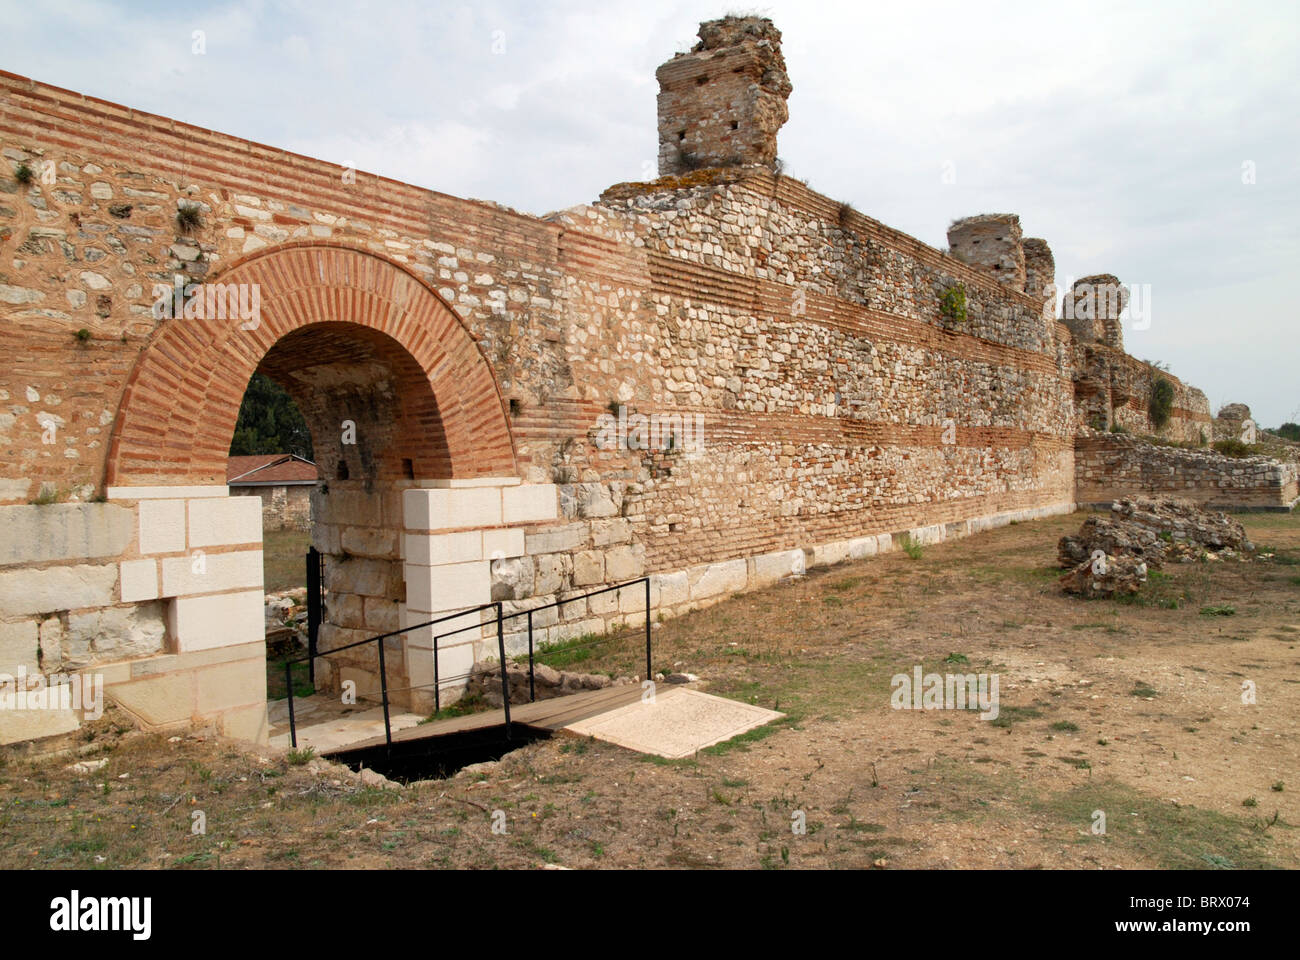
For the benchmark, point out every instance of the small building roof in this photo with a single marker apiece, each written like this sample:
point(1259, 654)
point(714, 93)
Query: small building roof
point(270, 469)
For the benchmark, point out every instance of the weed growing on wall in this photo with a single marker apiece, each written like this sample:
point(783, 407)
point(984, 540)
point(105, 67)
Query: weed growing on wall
point(953, 304)
point(1161, 405)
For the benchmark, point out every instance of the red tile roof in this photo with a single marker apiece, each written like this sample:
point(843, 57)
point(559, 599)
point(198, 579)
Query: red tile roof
point(270, 468)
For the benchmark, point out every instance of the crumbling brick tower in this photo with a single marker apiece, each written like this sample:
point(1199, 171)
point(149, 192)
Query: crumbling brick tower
point(991, 241)
point(1040, 269)
point(1097, 303)
point(723, 103)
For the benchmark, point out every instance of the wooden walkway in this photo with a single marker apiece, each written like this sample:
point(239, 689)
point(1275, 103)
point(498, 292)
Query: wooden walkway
point(554, 715)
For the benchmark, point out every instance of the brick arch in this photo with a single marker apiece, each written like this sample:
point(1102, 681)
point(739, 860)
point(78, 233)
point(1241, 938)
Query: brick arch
point(178, 412)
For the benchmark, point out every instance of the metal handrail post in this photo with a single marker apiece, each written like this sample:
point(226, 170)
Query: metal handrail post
point(288, 685)
point(647, 629)
point(532, 690)
point(383, 686)
point(505, 680)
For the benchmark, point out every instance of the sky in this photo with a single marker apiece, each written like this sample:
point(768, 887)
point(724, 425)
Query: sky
point(1156, 141)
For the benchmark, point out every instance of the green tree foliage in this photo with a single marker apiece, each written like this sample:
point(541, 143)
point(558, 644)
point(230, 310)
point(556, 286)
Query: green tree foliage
point(269, 422)
point(1289, 431)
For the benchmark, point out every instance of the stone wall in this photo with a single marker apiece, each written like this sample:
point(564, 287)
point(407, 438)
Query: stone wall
point(283, 507)
point(1109, 468)
point(1112, 388)
point(145, 591)
point(838, 405)
point(473, 357)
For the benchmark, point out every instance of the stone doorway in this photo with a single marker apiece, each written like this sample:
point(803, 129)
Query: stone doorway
point(407, 422)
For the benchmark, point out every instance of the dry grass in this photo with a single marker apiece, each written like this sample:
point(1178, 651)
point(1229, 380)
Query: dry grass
point(1126, 708)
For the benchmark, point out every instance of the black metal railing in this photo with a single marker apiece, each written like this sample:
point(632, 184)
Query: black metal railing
point(438, 680)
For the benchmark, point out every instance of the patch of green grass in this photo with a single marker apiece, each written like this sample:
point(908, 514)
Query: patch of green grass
point(562, 654)
point(1007, 716)
point(470, 703)
point(297, 758)
point(1220, 610)
point(956, 658)
point(542, 853)
point(47, 496)
point(1141, 689)
point(1278, 787)
point(743, 740)
point(284, 559)
point(1065, 726)
point(1281, 555)
point(1171, 837)
point(913, 549)
point(275, 683)
point(659, 761)
point(859, 826)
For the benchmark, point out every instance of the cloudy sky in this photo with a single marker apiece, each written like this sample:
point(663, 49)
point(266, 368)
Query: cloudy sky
point(1156, 141)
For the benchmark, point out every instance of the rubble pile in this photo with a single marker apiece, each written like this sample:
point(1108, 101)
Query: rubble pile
point(1111, 554)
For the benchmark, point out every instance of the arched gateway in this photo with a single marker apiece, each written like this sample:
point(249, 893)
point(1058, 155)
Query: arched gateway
point(317, 304)
point(420, 484)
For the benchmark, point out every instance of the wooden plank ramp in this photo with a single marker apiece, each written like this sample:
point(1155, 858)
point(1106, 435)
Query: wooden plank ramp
point(553, 714)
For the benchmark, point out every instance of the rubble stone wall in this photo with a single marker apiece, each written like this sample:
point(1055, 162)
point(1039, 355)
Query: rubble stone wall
point(1109, 468)
point(283, 507)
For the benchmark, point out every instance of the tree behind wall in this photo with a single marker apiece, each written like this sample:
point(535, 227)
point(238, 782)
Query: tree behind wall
point(269, 422)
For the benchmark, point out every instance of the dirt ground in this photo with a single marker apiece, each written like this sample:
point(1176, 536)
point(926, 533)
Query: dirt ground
point(1131, 711)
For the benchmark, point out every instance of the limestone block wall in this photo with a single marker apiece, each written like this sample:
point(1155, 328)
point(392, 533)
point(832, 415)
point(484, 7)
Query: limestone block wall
point(465, 544)
point(150, 590)
point(1111, 467)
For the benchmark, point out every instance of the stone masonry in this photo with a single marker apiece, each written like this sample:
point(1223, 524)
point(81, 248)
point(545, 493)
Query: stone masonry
point(455, 361)
point(723, 103)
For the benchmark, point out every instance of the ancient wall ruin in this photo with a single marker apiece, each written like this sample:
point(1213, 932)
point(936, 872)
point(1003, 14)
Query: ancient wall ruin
point(470, 374)
point(1109, 468)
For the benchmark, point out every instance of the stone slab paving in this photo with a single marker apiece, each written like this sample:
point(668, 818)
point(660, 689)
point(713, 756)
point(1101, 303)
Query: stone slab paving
point(340, 731)
point(679, 722)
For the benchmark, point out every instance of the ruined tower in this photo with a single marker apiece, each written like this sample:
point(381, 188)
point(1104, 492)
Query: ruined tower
point(722, 103)
point(991, 241)
point(1093, 307)
point(1040, 268)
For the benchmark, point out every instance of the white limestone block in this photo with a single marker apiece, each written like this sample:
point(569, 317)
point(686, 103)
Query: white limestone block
point(216, 620)
point(451, 509)
point(451, 586)
point(225, 520)
point(529, 504)
point(162, 526)
point(211, 572)
point(138, 580)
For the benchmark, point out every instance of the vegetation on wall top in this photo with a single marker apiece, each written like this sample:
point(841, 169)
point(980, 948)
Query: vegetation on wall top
point(1161, 406)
